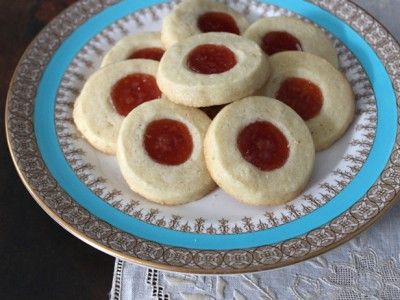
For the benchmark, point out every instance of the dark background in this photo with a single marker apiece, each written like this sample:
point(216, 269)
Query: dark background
point(39, 259)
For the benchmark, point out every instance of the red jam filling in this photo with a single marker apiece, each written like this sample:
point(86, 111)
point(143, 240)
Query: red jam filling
point(148, 53)
point(211, 59)
point(212, 111)
point(132, 90)
point(278, 41)
point(217, 22)
point(263, 145)
point(303, 96)
point(168, 142)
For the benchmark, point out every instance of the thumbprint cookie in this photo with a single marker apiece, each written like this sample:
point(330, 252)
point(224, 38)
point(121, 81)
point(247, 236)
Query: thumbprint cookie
point(192, 17)
point(259, 151)
point(316, 90)
point(211, 69)
point(278, 34)
point(145, 45)
point(160, 152)
point(109, 95)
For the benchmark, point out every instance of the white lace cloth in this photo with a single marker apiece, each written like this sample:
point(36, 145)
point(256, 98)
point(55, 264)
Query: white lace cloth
point(367, 267)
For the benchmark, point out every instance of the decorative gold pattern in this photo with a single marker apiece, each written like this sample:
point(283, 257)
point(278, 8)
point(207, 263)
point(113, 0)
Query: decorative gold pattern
point(47, 192)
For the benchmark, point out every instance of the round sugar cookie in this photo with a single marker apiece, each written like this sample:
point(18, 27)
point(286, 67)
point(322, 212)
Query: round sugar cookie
point(192, 17)
point(160, 152)
point(259, 151)
point(145, 45)
point(109, 95)
point(278, 34)
point(316, 90)
point(212, 69)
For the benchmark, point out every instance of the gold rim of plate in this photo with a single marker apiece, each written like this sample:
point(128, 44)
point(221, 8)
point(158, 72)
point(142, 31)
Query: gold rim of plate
point(382, 195)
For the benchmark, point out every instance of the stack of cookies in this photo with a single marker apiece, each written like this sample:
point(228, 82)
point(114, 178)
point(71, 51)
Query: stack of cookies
point(211, 100)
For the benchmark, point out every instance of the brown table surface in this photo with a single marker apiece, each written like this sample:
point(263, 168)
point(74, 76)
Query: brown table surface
point(39, 259)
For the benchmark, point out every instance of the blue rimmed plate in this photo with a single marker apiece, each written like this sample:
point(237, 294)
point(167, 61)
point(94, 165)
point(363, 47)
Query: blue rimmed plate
point(353, 183)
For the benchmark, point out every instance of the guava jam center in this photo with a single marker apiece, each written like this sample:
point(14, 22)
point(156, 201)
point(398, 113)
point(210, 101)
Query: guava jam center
point(303, 96)
point(217, 22)
point(211, 59)
point(132, 90)
point(153, 53)
point(263, 145)
point(278, 41)
point(168, 142)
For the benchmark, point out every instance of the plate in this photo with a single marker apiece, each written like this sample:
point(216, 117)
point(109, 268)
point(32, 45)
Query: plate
point(354, 182)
